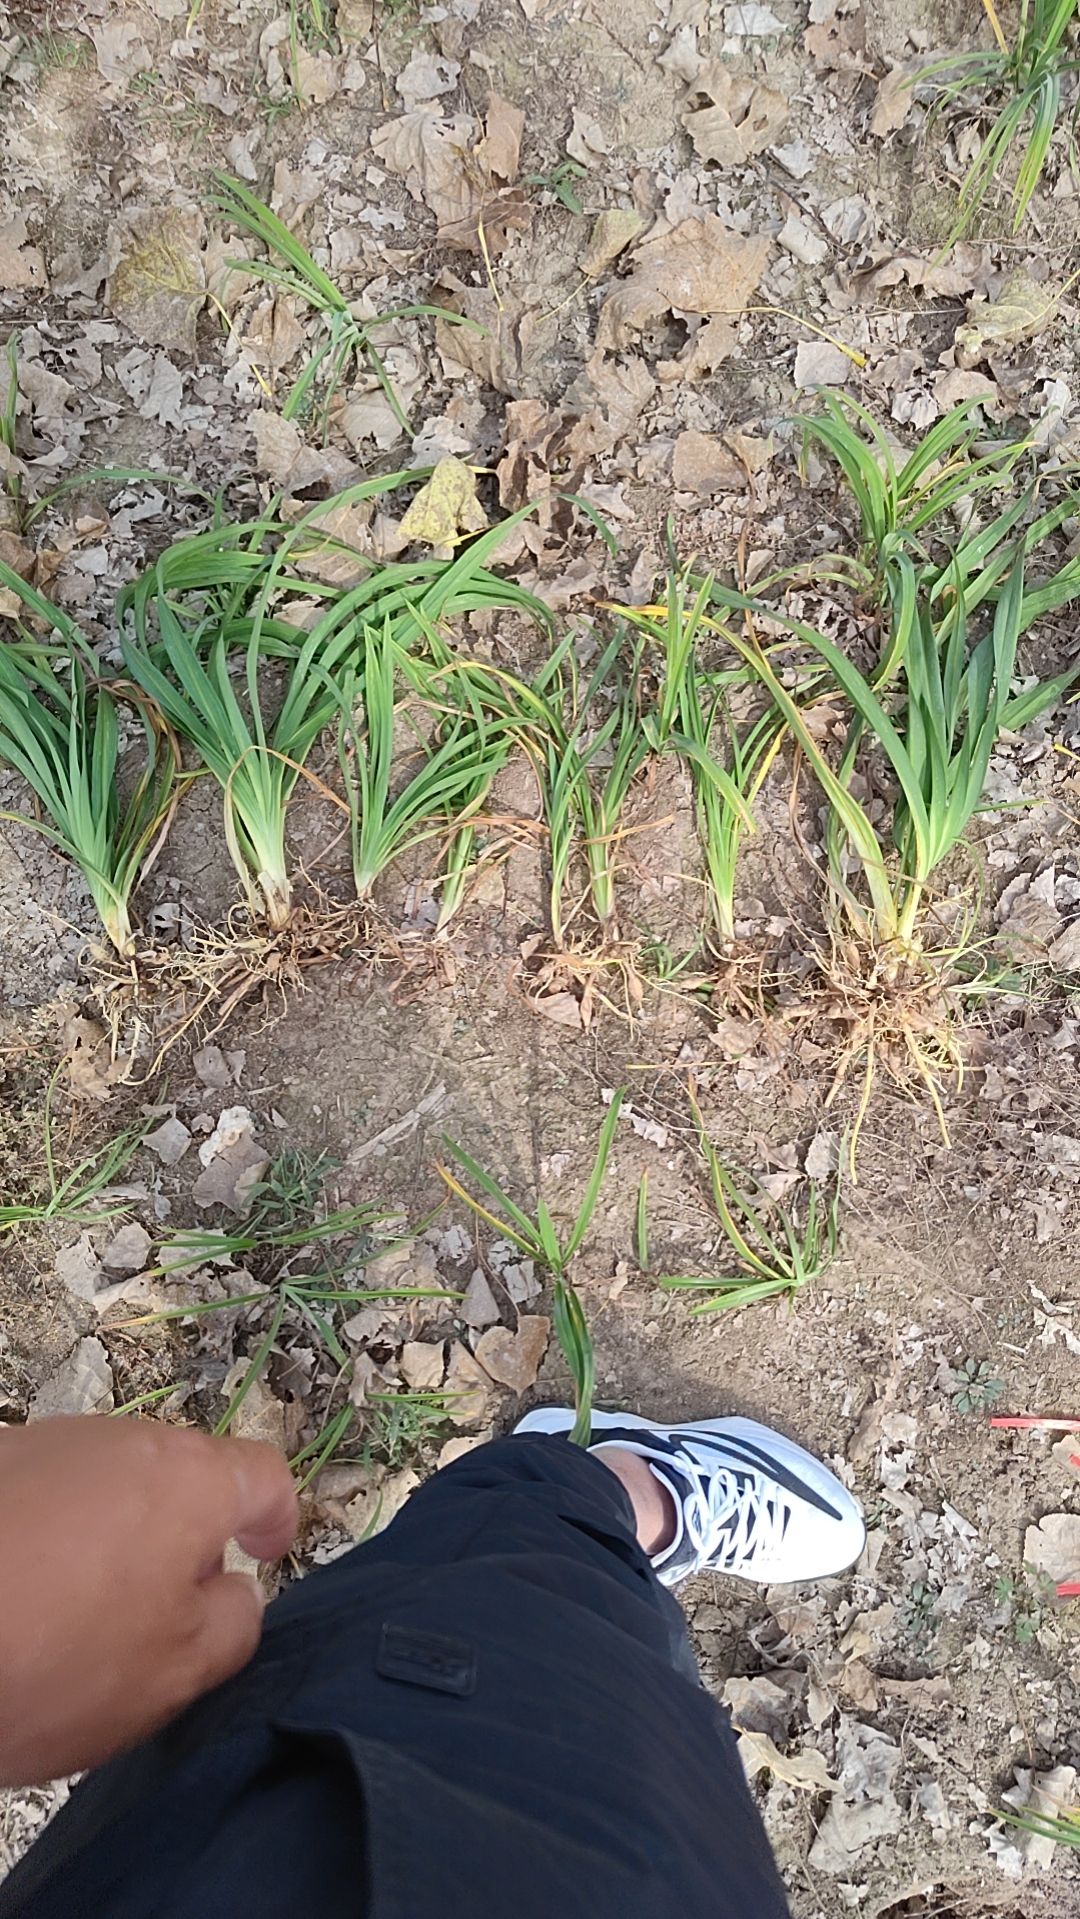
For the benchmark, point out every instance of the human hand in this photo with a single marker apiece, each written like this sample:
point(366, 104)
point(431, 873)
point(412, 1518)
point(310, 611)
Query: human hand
point(114, 1609)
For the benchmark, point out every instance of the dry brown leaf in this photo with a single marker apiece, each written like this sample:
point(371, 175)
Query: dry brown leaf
point(608, 395)
point(700, 267)
point(92, 1070)
point(314, 75)
point(282, 453)
point(509, 351)
point(499, 151)
point(371, 1511)
point(78, 1267)
point(514, 1359)
point(260, 1414)
point(895, 99)
point(586, 142)
point(446, 509)
point(1022, 308)
point(919, 1695)
point(157, 276)
point(562, 1009)
point(837, 42)
point(730, 117)
point(757, 1703)
point(21, 266)
point(820, 363)
point(275, 334)
point(534, 448)
point(468, 1388)
point(613, 231)
point(347, 554)
point(752, 450)
point(806, 1770)
point(956, 384)
point(965, 270)
point(81, 1383)
point(121, 53)
point(15, 554)
point(1053, 1546)
point(425, 76)
point(353, 19)
point(701, 463)
point(459, 181)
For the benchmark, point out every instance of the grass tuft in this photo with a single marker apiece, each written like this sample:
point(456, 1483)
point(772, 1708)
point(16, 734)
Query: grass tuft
point(1035, 75)
point(537, 1235)
point(776, 1254)
point(348, 341)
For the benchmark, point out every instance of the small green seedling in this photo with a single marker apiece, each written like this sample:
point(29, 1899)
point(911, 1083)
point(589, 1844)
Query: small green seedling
point(537, 1235)
point(75, 1197)
point(975, 1388)
point(1027, 1603)
point(775, 1252)
point(918, 1613)
point(562, 182)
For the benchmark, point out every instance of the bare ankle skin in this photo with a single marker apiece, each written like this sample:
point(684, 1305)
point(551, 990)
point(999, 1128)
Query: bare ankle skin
point(654, 1508)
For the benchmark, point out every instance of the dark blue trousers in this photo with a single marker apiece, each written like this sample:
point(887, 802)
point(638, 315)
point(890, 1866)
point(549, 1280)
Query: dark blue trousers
point(491, 1711)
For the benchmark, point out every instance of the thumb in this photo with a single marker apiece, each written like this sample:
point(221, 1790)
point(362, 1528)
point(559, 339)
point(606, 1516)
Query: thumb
point(230, 1627)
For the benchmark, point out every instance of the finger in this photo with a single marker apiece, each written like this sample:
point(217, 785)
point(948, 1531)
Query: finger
point(230, 1627)
point(232, 1489)
point(267, 1509)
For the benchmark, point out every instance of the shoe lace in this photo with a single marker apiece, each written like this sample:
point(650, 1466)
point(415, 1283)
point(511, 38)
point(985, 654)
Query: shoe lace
point(727, 1514)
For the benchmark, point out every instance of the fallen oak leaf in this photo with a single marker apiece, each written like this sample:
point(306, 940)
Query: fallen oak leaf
point(21, 265)
point(1023, 308)
point(895, 99)
point(700, 267)
point(157, 275)
point(730, 117)
point(459, 181)
point(613, 231)
point(446, 508)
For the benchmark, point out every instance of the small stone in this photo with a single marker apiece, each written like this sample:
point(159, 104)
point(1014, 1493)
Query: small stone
point(82, 1383)
point(513, 1359)
point(170, 1142)
point(700, 463)
point(210, 1064)
point(479, 1307)
point(422, 1365)
point(78, 1267)
point(127, 1251)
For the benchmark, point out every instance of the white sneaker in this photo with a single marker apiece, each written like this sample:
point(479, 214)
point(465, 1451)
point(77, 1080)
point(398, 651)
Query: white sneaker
point(747, 1501)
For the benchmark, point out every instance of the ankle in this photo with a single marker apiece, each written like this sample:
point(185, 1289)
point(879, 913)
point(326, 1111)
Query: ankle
point(654, 1507)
